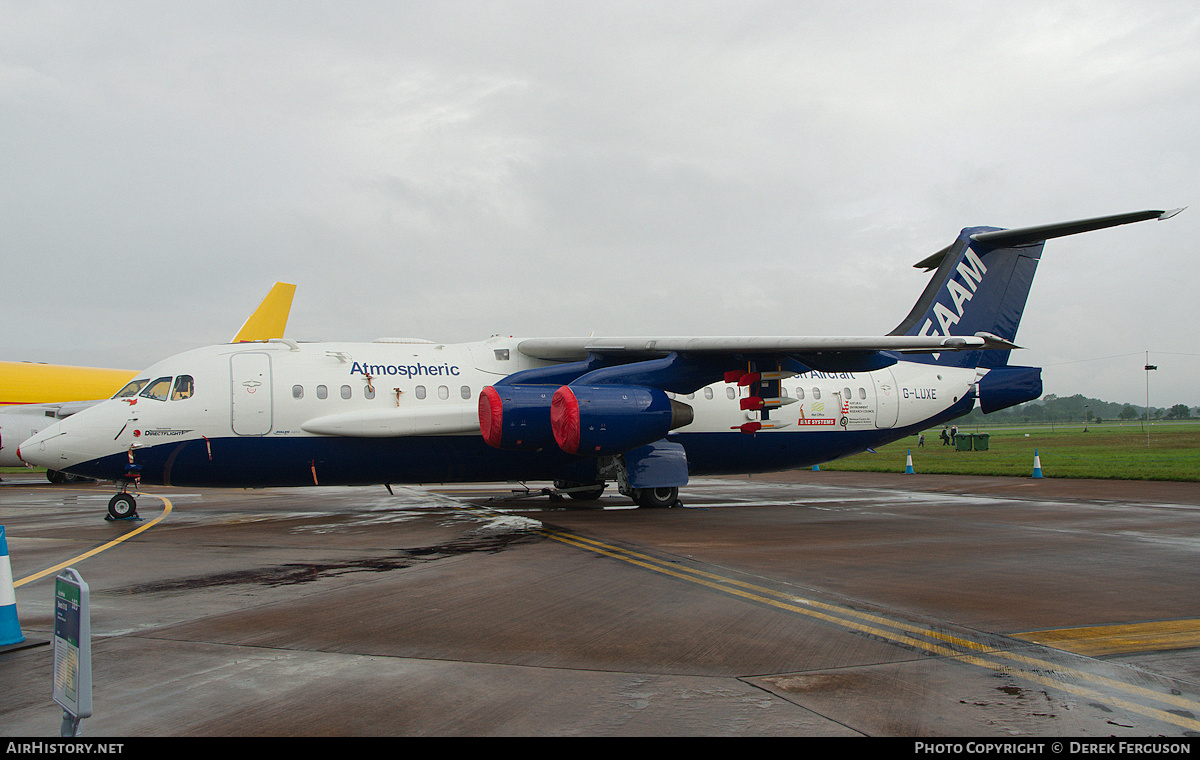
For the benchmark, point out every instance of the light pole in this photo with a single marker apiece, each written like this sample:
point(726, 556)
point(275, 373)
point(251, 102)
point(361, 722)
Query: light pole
point(1149, 367)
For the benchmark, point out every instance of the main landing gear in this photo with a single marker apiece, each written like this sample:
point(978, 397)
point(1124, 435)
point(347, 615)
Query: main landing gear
point(647, 498)
point(576, 491)
point(58, 477)
point(656, 498)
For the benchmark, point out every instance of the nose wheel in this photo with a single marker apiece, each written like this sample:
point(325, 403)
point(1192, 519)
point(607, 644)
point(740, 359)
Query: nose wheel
point(122, 507)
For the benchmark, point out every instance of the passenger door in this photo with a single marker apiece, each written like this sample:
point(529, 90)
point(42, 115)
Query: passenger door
point(250, 385)
point(887, 399)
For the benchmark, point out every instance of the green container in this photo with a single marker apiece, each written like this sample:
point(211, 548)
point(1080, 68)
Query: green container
point(981, 441)
point(962, 441)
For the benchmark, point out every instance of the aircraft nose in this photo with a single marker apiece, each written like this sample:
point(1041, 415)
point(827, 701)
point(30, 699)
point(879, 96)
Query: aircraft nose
point(45, 449)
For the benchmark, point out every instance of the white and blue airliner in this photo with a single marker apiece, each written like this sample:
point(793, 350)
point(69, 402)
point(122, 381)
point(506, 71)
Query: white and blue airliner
point(643, 412)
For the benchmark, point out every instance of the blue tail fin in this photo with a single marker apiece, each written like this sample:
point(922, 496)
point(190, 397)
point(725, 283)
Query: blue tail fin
point(977, 289)
point(982, 282)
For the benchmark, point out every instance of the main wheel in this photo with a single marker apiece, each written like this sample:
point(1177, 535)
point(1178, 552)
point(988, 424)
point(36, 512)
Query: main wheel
point(589, 495)
point(58, 476)
point(121, 506)
point(656, 498)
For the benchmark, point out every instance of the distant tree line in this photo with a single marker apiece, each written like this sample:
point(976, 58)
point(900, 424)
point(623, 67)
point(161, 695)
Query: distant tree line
point(1077, 409)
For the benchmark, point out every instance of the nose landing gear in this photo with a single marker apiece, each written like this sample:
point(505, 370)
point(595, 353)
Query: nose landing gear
point(123, 506)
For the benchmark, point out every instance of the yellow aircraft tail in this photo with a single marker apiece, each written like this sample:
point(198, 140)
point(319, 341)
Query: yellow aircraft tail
point(29, 383)
point(271, 316)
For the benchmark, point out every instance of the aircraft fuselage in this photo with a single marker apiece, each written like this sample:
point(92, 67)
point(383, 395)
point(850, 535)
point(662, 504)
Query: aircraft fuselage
point(280, 413)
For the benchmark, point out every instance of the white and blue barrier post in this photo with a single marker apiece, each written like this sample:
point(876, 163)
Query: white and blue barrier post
point(1037, 464)
point(908, 470)
point(10, 627)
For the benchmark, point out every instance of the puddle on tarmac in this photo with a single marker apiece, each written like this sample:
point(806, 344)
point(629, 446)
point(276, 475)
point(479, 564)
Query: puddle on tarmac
point(489, 539)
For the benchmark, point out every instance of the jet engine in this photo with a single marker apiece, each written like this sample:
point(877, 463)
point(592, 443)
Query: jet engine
point(516, 416)
point(601, 420)
point(1003, 387)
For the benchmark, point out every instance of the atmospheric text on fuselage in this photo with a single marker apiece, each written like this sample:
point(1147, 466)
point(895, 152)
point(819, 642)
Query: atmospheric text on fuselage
point(405, 370)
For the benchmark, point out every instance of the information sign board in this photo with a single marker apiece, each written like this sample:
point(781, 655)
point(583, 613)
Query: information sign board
point(72, 645)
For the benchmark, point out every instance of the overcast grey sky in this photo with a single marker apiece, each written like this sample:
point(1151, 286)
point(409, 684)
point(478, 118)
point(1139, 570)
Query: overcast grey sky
point(451, 170)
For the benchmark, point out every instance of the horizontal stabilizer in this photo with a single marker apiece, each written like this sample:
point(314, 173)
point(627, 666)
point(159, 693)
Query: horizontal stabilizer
point(1042, 232)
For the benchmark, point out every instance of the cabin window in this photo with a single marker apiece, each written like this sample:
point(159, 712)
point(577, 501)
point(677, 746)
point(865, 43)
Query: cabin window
point(297, 391)
point(420, 391)
point(816, 393)
point(846, 395)
point(369, 392)
point(800, 393)
point(322, 391)
point(158, 390)
point(346, 392)
point(443, 392)
point(501, 354)
point(708, 393)
point(465, 391)
point(131, 389)
point(782, 392)
point(862, 393)
point(730, 392)
point(184, 387)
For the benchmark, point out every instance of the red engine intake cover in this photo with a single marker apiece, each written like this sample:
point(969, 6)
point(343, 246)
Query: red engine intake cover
point(491, 415)
point(564, 419)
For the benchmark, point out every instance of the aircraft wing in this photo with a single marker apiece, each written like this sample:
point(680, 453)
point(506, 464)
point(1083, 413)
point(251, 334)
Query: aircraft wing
point(65, 409)
point(577, 349)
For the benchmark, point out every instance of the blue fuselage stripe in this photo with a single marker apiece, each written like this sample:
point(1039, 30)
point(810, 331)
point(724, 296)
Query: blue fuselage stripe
point(242, 461)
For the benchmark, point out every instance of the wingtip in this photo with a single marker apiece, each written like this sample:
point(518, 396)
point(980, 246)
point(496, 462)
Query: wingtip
point(1168, 214)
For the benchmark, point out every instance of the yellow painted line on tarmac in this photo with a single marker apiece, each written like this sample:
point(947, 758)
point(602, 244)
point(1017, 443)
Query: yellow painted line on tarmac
point(1029, 668)
point(1035, 673)
point(1127, 638)
point(790, 601)
point(98, 549)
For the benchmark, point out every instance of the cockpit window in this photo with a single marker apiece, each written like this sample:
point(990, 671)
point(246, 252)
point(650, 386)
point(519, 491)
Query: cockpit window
point(158, 389)
point(183, 387)
point(131, 389)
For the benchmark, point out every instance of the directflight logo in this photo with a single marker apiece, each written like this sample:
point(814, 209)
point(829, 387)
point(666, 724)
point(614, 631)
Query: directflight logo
point(160, 433)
